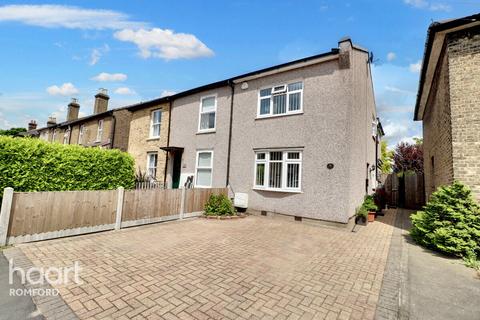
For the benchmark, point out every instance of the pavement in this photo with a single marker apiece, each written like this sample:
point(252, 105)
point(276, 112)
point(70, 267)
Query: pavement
point(422, 284)
point(252, 268)
point(14, 307)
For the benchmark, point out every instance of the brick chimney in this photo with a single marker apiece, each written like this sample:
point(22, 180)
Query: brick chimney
point(51, 121)
point(101, 101)
point(73, 109)
point(32, 125)
point(345, 46)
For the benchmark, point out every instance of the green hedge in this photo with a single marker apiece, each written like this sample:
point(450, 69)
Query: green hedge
point(28, 164)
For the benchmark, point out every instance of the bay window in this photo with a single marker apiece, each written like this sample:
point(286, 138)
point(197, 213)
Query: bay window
point(204, 168)
point(278, 170)
point(208, 110)
point(280, 100)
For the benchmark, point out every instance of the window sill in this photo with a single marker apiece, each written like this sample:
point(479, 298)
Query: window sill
point(277, 190)
point(206, 131)
point(202, 187)
point(153, 138)
point(278, 115)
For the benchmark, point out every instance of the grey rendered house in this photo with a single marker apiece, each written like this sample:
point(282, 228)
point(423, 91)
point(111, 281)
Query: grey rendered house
point(298, 139)
point(448, 104)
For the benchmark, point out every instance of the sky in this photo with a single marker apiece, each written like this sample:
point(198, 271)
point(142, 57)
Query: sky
point(140, 50)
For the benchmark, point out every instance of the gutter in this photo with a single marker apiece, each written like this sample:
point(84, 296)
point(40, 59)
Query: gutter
point(112, 132)
point(170, 107)
point(232, 87)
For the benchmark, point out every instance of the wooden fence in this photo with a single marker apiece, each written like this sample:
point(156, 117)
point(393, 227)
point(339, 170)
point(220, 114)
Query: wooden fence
point(405, 191)
point(33, 216)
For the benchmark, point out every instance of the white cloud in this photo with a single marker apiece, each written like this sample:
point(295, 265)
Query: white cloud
point(165, 43)
point(66, 89)
point(71, 17)
point(166, 93)
point(394, 129)
point(415, 67)
point(409, 140)
point(114, 77)
point(424, 4)
point(398, 90)
point(97, 53)
point(391, 56)
point(125, 91)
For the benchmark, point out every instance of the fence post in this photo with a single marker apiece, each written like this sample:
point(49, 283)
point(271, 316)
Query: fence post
point(5, 214)
point(118, 220)
point(182, 204)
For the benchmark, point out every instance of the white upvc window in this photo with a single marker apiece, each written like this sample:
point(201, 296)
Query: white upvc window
point(204, 169)
point(66, 136)
point(54, 136)
point(155, 123)
point(44, 135)
point(81, 133)
point(207, 114)
point(99, 131)
point(280, 100)
point(152, 158)
point(278, 170)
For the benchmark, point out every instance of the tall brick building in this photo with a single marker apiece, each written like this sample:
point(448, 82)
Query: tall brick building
point(448, 103)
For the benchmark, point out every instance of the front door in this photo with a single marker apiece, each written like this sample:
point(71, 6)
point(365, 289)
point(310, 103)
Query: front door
point(177, 167)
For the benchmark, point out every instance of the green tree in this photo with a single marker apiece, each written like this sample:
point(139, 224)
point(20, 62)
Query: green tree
point(386, 157)
point(12, 131)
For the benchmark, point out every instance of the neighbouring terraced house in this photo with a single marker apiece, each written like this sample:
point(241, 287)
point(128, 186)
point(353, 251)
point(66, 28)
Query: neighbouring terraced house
point(298, 139)
point(104, 128)
point(448, 103)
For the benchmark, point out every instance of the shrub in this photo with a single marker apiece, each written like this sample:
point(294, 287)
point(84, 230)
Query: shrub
point(362, 212)
point(369, 203)
point(450, 222)
point(34, 165)
point(219, 205)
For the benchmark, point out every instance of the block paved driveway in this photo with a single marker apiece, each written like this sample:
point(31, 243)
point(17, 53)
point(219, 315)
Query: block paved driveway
point(249, 268)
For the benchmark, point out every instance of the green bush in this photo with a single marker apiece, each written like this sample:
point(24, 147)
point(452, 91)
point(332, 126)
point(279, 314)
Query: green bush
point(450, 222)
point(369, 203)
point(219, 205)
point(28, 164)
point(362, 212)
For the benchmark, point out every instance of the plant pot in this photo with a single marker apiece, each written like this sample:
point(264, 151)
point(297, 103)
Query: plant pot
point(361, 220)
point(371, 216)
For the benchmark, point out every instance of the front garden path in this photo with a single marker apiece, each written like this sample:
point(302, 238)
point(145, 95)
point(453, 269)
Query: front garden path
point(251, 268)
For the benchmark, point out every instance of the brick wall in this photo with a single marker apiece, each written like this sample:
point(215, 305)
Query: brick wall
point(139, 143)
point(437, 131)
point(122, 129)
point(464, 67)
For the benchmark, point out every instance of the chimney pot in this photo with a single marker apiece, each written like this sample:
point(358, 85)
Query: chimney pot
point(73, 110)
point(32, 125)
point(51, 121)
point(101, 101)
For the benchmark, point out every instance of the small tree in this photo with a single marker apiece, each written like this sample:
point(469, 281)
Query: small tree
point(12, 132)
point(408, 157)
point(450, 222)
point(386, 158)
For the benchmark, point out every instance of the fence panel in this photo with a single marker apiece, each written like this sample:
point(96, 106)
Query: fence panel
point(151, 203)
point(196, 198)
point(40, 212)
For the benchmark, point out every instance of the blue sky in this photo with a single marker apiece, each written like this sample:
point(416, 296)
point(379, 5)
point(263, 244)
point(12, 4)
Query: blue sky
point(140, 50)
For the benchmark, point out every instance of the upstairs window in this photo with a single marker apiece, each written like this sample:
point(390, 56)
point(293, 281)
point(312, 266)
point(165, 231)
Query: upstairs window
point(278, 170)
point(152, 159)
point(66, 136)
point(208, 110)
point(81, 133)
point(280, 100)
point(155, 123)
point(54, 136)
point(99, 130)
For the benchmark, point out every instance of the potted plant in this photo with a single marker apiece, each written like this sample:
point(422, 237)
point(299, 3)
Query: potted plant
point(371, 207)
point(361, 216)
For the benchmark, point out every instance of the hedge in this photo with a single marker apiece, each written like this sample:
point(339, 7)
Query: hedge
point(28, 164)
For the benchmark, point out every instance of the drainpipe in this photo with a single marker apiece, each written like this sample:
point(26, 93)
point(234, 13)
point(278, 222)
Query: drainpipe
point(112, 132)
point(232, 87)
point(170, 105)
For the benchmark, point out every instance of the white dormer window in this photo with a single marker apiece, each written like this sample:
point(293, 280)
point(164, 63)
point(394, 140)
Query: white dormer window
point(208, 113)
point(280, 100)
point(99, 131)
